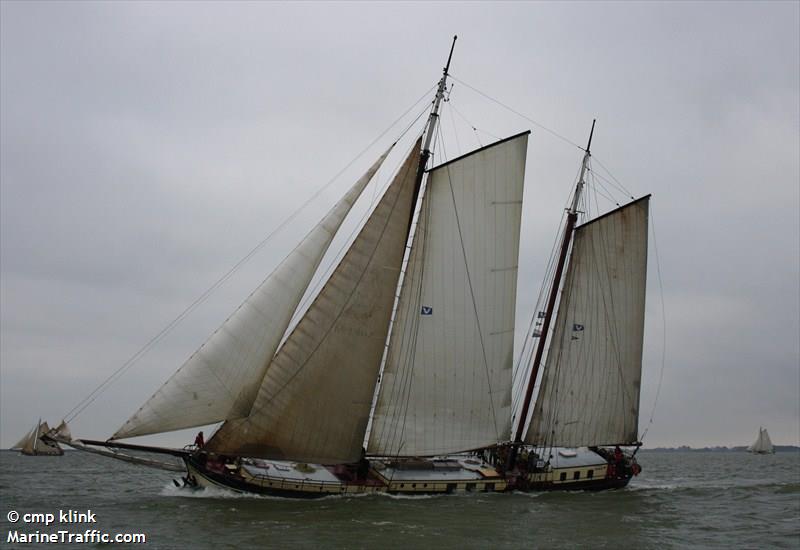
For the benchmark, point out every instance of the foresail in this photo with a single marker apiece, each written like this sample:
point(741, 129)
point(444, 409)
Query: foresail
point(589, 393)
point(446, 384)
point(221, 379)
point(30, 444)
point(313, 404)
point(24, 441)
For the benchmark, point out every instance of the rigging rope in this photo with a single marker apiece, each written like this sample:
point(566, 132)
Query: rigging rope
point(529, 119)
point(94, 394)
point(472, 294)
point(540, 305)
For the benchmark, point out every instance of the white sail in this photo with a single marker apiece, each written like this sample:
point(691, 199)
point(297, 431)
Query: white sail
point(29, 447)
point(446, 385)
point(589, 393)
point(63, 431)
point(767, 442)
point(22, 442)
point(763, 444)
point(221, 379)
point(35, 445)
point(313, 404)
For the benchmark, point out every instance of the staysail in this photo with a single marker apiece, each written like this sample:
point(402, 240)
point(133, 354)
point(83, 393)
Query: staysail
point(446, 385)
point(29, 446)
point(313, 404)
point(589, 393)
point(22, 442)
point(221, 379)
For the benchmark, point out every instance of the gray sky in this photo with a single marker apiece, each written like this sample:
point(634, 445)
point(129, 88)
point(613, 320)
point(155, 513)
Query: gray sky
point(147, 147)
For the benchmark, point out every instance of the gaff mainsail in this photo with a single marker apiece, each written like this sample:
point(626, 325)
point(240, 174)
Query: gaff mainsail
point(589, 392)
point(446, 385)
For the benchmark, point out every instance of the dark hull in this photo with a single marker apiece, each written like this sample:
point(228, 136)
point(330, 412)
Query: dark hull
point(588, 485)
point(198, 475)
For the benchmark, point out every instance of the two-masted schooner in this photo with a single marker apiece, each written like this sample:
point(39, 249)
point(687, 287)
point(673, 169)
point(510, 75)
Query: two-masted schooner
point(398, 377)
point(38, 442)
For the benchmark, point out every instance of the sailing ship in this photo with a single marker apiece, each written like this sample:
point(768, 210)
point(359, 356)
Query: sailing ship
point(398, 376)
point(763, 444)
point(38, 442)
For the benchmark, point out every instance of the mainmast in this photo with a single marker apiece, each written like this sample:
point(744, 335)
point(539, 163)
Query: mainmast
point(572, 217)
point(432, 120)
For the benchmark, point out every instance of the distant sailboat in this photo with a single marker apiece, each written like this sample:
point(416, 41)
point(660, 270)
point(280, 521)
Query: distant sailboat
point(38, 443)
point(763, 444)
point(398, 376)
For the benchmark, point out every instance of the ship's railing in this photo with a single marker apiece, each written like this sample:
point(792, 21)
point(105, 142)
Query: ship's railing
point(296, 483)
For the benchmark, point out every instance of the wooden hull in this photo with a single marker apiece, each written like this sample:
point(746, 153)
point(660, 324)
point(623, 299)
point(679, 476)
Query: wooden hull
point(41, 454)
point(401, 482)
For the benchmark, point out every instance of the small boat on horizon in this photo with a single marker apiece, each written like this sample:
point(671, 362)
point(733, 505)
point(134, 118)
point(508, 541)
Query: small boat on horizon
point(763, 444)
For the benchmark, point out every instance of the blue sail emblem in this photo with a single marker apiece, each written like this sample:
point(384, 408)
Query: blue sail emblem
point(577, 328)
point(427, 310)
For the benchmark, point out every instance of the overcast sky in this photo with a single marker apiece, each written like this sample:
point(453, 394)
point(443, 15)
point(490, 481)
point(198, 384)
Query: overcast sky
point(147, 147)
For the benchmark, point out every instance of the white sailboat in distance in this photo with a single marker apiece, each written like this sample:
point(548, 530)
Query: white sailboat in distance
point(763, 444)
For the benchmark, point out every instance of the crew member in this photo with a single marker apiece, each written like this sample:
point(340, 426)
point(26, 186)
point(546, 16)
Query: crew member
point(619, 459)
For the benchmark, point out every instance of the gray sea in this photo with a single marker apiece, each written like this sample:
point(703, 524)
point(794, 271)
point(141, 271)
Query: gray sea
point(681, 499)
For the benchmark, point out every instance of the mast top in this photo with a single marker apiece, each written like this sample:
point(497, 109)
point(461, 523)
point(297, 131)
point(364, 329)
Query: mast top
point(449, 57)
point(591, 133)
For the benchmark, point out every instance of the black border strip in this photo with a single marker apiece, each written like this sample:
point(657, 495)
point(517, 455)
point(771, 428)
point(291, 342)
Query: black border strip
point(640, 199)
point(479, 150)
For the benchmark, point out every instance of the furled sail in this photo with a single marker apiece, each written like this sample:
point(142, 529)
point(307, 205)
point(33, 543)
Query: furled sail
point(221, 379)
point(589, 393)
point(446, 384)
point(313, 404)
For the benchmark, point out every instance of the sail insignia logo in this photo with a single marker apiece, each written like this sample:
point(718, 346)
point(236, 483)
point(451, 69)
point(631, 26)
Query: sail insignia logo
point(577, 328)
point(426, 310)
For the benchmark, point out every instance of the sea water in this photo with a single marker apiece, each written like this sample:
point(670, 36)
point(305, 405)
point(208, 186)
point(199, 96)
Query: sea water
point(681, 499)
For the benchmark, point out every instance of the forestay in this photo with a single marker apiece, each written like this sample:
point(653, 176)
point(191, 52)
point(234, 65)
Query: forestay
point(221, 379)
point(446, 385)
point(589, 393)
point(314, 401)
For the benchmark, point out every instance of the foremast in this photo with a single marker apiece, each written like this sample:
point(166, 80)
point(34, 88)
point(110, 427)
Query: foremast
point(572, 218)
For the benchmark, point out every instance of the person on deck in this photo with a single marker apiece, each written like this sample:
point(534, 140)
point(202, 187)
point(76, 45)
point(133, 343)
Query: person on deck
point(619, 458)
point(199, 441)
point(363, 465)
